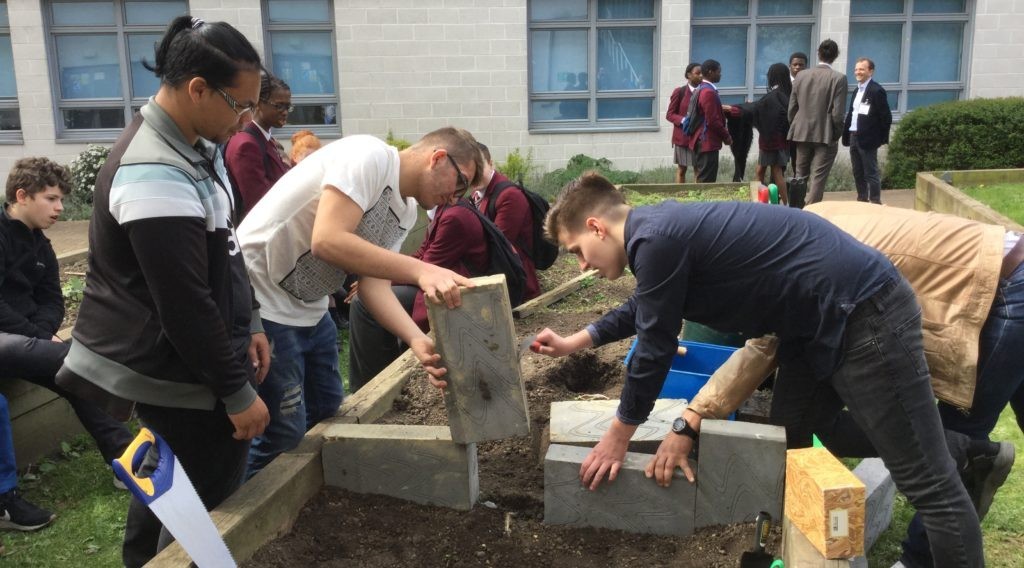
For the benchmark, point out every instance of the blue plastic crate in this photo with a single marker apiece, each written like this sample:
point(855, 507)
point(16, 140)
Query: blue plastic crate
point(692, 371)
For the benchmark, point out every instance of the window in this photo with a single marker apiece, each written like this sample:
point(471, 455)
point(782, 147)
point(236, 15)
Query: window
point(96, 54)
point(300, 43)
point(917, 47)
point(10, 120)
point(747, 36)
point(593, 64)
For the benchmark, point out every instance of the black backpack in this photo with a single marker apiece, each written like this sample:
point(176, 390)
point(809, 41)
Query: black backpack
point(694, 119)
point(502, 256)
point(544, 252)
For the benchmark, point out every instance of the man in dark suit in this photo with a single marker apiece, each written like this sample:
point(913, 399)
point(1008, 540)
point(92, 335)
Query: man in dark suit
point(866, 128)
point(712, 133)
point(816, 119)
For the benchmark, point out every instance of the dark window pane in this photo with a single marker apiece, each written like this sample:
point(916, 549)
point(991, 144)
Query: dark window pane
point(144, 82)
point(624, 9)
point(939, 7)
point(880, 42)
point(305, 60)
point(624, 108)
point(547, 10)
point(9, 119)
point(158, 13)
point(874, 7)
point(725, 44)
point(89, 66)
point(8, 88)
point(917, 99)
point(935, 49)
point(785, 8)
point(557, 55)
point(733, 99)
point(284, 11)
point(775, 44)
point(313, 115)
point(570, 109)
point(83, 13)
point(719, 8)
point(79, 118)
point(625, 59)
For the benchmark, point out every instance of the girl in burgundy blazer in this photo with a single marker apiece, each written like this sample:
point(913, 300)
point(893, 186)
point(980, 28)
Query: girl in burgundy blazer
point(253, 161)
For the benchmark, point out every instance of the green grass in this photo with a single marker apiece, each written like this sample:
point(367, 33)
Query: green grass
point(1007, 198)
point(89, 528)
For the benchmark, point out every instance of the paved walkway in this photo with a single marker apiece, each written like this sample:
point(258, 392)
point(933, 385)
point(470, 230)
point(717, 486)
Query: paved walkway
point(70, 236)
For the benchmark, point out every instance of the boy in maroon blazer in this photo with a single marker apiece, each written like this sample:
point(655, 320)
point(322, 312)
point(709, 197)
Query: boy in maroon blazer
point(712, 133)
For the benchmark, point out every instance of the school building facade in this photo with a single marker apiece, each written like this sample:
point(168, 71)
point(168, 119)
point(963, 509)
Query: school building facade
point(557, 77)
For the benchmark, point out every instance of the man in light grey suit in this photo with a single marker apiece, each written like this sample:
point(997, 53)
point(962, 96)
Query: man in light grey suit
point(816, 113)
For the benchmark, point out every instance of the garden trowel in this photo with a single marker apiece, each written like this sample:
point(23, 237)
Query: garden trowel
point(168, 492)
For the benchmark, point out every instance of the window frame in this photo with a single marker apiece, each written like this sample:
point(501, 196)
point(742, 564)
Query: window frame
point(907, 19)
point(328, 131)
point(10, 136)
point(127, 102)
point(592, 25)
point(750, 90)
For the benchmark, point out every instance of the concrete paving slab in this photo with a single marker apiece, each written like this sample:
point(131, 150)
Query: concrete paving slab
point(797, 550)
point(631, 503)
point(741, 471)
point(415, 463)
point(583, 422)
point(879, 492)
point(485, 398)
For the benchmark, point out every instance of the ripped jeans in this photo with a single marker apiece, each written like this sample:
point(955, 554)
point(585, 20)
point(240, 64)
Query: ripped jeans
point(302, 388)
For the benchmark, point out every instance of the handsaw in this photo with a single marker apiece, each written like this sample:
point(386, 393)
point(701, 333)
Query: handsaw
point(168, 492)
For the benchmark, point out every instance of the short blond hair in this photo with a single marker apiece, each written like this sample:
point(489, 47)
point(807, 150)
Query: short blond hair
point(590, 195)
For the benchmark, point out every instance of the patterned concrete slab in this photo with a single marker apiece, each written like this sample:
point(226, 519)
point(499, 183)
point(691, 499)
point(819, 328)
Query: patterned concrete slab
point(583, 422)
point(415, 463)
point(631, 503)
point(741, 471)
point(485, 398)
point(797, 550)
point(879, 492)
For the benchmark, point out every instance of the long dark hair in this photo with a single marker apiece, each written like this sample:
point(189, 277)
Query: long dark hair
point(193, 48)
point(778, 78)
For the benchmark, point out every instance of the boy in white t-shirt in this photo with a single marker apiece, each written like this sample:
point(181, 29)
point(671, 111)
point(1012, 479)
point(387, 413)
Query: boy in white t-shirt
point(344, 210)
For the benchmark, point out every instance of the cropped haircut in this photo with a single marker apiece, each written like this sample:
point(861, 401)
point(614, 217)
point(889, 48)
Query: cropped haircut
point(270, 83)
point(34, 175)
point(871, 64)
point(192, 48)
point(590, 195)
point(778, 77)
point(690, 68)
point(461, 146)
point(828, 51)
point(798, 55)
point(710, 65)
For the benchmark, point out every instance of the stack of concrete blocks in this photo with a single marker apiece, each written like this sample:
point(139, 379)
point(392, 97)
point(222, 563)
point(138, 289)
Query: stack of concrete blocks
point(741, 471)
point(486, 400)
point(825, 511)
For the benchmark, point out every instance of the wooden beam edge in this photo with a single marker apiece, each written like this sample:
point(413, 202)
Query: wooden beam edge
point(527, 309)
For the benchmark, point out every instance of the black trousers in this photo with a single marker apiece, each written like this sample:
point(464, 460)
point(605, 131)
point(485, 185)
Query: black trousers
point(214, 461)
point(707, 165)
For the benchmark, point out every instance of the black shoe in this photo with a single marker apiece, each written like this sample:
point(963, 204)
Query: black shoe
point(18, 514)
point(985, 474)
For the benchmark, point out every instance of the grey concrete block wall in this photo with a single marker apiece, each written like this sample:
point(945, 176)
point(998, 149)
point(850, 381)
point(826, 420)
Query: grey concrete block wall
point(583, 422)
point(485, 398)
point(631, 503)
point(879, 492)
point(741, 470)
point(415, 463)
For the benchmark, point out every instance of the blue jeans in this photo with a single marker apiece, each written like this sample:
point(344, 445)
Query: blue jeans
point(8, 466)
point(302, 388)
point(1000, 380)
point(884, 383)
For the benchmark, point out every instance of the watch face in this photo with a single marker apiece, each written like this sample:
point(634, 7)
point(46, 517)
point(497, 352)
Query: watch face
point(679, 425)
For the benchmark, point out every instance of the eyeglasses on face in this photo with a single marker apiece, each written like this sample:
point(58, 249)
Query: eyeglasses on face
point(463, 184)
point(235, 105)
point(282, 107)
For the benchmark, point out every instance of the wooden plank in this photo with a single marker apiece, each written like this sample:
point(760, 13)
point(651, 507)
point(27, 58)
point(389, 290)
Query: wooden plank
point(374, 399)
point(527, 309)
point(797, 550)
point(825, 501)
point(72, 257)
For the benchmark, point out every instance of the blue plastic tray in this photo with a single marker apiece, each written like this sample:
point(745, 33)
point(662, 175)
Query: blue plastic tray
point(689, 373)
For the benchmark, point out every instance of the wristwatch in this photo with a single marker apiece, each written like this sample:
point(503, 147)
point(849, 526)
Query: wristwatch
point(683, 428)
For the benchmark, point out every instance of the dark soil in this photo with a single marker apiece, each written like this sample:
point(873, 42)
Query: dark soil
point(338, 528)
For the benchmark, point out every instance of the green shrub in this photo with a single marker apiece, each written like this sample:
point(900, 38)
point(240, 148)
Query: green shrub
point(552, 182)
point(961, 135)
point(83, 170)
point(517, 167)
point(400, 143)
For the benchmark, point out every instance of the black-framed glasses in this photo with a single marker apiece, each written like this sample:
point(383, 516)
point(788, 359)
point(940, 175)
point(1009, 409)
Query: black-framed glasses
point(463, 183)
point(282, 107)
point(234, 104)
